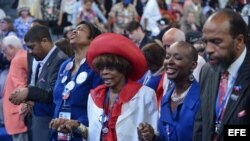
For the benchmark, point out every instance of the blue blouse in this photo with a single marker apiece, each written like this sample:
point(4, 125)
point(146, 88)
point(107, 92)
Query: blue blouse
point(178, 125)
point(78, 95)
point(22, 27)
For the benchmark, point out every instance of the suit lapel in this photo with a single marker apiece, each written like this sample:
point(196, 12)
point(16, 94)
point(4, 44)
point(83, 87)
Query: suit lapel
point(214, 85)
point(242, 80)
point(48, 63)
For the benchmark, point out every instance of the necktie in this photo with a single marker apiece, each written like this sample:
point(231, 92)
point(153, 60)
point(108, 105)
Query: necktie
point(37, 72)
point(223, 89)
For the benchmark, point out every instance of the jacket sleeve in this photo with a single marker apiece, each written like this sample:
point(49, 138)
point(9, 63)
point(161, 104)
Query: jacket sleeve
point(152, 110)
point(39, 95)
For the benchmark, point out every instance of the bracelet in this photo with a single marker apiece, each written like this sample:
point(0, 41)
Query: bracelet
point(82, 130)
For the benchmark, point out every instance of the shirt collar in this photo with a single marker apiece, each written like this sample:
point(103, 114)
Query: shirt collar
point(234, 67)
point(47, 56)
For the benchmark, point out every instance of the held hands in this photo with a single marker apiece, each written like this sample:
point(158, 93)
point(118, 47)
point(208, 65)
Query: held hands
point(26, 109)
point(64, 125)
point(19, 96)
point(145, 132)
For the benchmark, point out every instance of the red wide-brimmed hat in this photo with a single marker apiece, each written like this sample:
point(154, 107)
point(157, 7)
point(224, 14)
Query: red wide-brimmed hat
point(119, 45)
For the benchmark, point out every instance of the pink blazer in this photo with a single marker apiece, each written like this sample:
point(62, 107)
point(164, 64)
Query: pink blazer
point(16, 78)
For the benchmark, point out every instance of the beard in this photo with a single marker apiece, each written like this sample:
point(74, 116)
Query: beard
point(225, 61)
point(229, 58)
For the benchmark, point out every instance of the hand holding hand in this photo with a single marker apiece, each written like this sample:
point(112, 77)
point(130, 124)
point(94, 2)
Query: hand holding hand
point(19, 96)
point(58, 124)
point(26, 109)
point(145, 132)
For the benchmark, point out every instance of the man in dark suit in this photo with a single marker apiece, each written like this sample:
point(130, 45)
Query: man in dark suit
point(224, 34)
point(39, 43)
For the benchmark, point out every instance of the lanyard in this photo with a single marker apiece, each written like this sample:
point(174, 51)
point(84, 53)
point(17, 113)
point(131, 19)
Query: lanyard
point(147, 77)
point(149, 74)
point(104, 118)
point(168, 132)
point(106, 114)
point(106, 111)
point(219, 109)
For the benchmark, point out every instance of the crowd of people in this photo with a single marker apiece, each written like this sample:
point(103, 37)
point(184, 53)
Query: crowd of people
point(137, 70)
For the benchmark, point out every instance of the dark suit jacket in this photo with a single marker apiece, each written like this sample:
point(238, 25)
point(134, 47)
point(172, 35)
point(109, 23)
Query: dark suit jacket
point(146, 39)
point(42, 95)
point(209, 84)
point(42, 91)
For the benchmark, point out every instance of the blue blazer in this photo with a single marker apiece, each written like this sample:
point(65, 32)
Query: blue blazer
point(78, 96)
point(153, 81)
point(178, 125)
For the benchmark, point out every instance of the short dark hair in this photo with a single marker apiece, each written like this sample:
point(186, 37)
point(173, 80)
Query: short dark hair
point(154, 54)
point(112, 61)
point(133, 25)
point(9, 20)
point(37, 33)
point(93, 30)
point(237, 24)
point(40, 22)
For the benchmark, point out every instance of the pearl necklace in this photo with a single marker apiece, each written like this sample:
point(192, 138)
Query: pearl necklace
point(179, 98)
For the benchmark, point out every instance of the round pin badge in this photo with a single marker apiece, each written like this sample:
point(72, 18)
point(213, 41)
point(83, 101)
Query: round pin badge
point(105, 130)
point(64, 79)
point(103, 118)
point(69, 65)
point(70, 86)
point(81, 77)
point(83, 61)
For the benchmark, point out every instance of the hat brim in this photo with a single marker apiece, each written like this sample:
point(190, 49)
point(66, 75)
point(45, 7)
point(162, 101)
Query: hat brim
point(111, 43)
point(20, 9)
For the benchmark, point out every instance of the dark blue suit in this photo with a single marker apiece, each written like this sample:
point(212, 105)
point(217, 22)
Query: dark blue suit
point(78, 96)
point(181, 120)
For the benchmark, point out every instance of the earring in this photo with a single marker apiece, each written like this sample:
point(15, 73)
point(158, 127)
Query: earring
point(191, 77)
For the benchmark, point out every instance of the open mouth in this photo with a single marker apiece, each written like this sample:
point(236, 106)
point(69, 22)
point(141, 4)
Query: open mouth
point(170, 71)
point(107, 81)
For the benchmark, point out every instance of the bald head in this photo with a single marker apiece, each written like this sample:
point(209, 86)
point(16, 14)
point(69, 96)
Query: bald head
point(230, 17)
point(173, 35)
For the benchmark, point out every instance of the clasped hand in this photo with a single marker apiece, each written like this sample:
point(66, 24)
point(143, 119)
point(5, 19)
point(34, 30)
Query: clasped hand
point(64, 125)
point(19, 96)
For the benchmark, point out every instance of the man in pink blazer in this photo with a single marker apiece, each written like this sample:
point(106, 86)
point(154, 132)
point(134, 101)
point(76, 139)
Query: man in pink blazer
point(16, 78)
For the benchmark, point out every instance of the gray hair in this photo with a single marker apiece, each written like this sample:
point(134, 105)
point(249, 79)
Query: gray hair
point(12, 40)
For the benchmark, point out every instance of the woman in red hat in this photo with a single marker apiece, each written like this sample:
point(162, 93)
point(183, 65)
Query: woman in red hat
point(116, 108)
